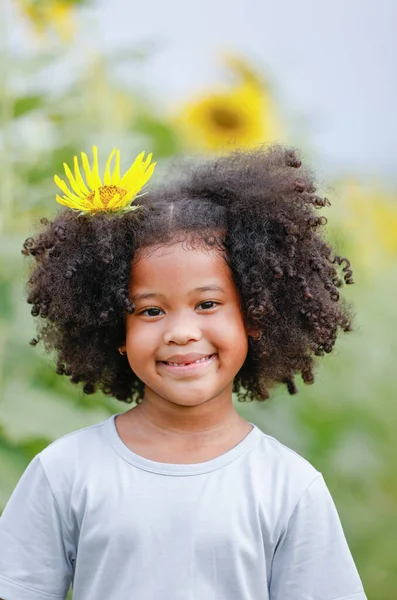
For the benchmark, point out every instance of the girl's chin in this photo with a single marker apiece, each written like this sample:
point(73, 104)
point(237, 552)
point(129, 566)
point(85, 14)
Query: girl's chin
point(182, 397)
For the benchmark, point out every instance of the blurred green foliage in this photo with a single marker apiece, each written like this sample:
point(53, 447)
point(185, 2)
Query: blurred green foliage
point(344, 424)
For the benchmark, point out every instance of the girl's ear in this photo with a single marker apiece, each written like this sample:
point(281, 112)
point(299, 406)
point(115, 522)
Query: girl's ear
point(255, 334)
point(122, 350)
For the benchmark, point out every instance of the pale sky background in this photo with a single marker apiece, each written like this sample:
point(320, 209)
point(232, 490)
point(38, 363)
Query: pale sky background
point(333, 64)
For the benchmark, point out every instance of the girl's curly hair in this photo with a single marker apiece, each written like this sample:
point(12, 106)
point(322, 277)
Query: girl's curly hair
point(260, 207)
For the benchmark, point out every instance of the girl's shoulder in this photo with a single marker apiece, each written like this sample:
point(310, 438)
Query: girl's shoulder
point(282, 454)
point(281, 467)
point(75, 451)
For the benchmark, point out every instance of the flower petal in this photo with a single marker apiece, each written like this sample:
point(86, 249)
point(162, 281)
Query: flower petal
point(72, 181)
point(113, 202)
point(95, 170)
point(106, 177)
point(127, 198)
point(62, 185)
point(74, 205)
point(65, 202)
point(87, 170)
point(147, 161)
point(148, 173)
point(78, 177)
point(134, 168)
point(136, 182)
point(116, 171)
point(96, 201)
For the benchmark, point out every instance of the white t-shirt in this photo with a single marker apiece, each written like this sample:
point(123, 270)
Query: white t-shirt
point(256, 523)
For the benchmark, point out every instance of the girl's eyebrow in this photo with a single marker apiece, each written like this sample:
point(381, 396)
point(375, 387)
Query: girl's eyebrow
point(209, 288)
point(203, 288)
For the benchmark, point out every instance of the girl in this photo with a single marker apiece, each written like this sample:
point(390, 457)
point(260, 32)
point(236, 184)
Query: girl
point(219, 283)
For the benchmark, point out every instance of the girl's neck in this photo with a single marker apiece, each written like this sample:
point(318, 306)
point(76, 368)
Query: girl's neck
point(187, 422)
point(179, 434)
point(166, 418)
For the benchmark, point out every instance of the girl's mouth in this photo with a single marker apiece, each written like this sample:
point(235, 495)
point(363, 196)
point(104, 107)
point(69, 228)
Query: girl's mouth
point(187, 367)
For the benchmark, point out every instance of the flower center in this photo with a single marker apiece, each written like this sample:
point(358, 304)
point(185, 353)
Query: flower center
point(106, 193)
point(225, 119)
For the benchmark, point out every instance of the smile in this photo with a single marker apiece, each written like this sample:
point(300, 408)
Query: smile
point(188, 367)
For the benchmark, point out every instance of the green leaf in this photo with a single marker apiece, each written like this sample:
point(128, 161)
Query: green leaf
point(26, 104)
point(13, 462)
point(6, 311)
point(43, 171)
point(33, 446)
point(164, 139)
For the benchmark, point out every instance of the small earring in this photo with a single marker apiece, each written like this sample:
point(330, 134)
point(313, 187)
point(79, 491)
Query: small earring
point(121, 351)
point(257, 337)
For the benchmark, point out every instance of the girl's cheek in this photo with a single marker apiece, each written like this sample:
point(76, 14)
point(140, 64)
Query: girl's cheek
point(143, 334)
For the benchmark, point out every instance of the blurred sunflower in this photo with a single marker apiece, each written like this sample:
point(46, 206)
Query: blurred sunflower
point(240, 117)
point(370, 217)
point(47, 15)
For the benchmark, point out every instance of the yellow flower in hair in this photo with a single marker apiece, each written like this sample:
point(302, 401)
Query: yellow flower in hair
point(115, 194)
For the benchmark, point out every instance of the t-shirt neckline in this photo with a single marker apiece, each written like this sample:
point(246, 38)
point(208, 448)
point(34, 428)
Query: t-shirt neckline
point(179, 469)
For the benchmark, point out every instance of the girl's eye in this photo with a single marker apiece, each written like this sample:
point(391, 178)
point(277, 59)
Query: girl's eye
point(156, 312)
point(208, 304)
point(151, 312)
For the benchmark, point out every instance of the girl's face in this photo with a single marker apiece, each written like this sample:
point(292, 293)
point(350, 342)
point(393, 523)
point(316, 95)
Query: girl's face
point(187, 308)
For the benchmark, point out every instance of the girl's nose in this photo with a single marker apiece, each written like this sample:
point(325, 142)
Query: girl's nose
point(181, 330)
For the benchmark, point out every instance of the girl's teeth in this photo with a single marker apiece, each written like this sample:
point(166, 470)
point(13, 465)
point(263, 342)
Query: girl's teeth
point(184, 364)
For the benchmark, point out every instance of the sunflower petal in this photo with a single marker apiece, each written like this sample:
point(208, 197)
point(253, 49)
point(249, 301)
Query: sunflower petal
point(143, 178)
point(65, 202)
point(136, 180)
point(134, 168)
point(147, 161)
point(78, 177)
point(127, 198)
point(113, 202)
point(123, 203)
point(95, 170)
point(148, 173)
point(75, 187)
point(106, 177)
point(141, 181)
point(96, 201)
point(62, 185)
point(87, 170)
point(116, 171)
point(74, 205)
